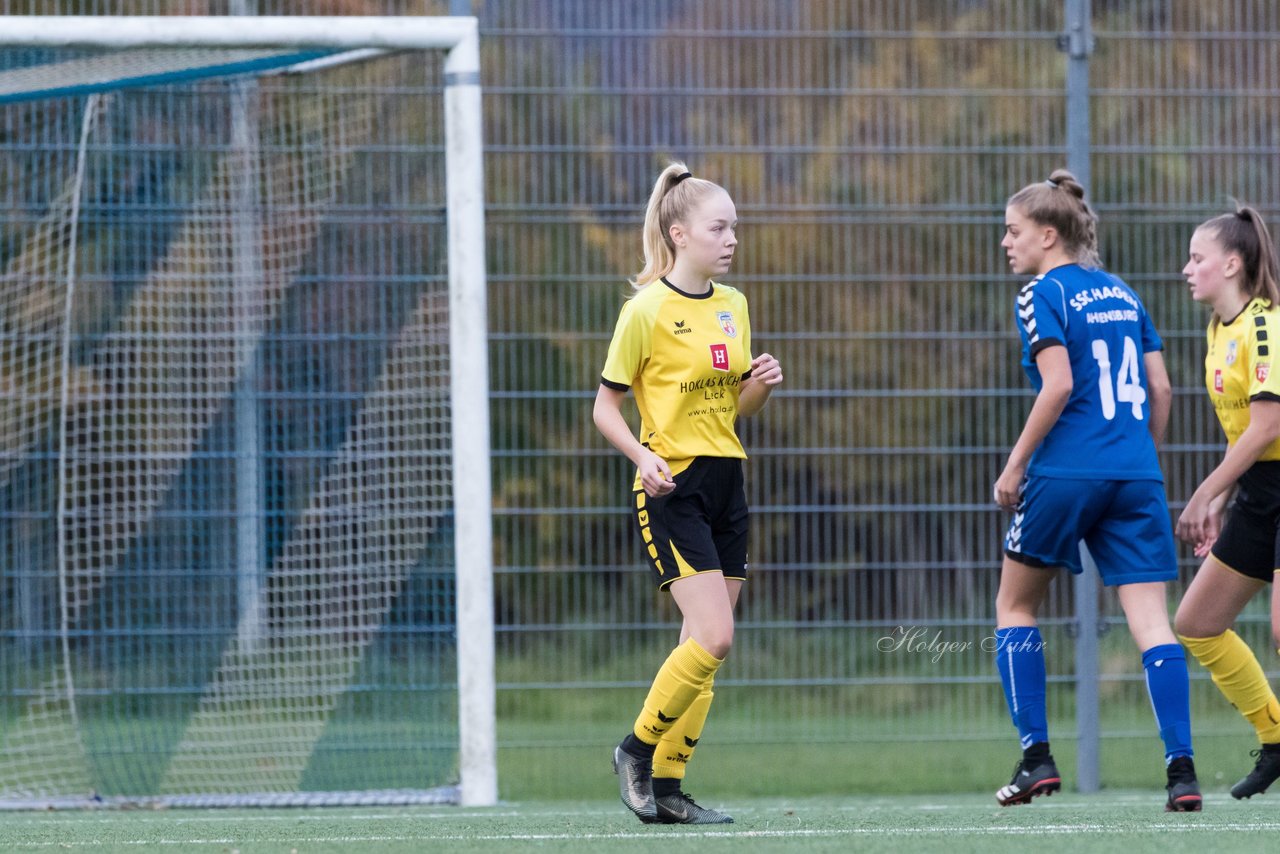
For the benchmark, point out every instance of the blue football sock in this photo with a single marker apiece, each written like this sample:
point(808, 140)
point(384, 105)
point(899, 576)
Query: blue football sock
point(1020, 660)
point(1166, 667)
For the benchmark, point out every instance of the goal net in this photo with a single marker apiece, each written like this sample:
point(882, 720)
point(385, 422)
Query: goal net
point(228, 398)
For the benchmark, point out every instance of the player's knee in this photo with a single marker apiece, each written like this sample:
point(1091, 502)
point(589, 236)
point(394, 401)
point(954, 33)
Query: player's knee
point(1152, 634)
point(1014, 611)
point(717, 642)
point(1188, 624)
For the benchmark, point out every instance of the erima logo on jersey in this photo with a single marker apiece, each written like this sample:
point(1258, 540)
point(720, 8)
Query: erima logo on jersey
point(681, 329)
point(1217, 380)
point(1261, 371)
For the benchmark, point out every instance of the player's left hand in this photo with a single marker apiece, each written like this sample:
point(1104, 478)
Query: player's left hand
point(766, 369)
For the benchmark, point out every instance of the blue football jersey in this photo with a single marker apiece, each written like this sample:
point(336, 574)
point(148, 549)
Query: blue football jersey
point(1104, 430)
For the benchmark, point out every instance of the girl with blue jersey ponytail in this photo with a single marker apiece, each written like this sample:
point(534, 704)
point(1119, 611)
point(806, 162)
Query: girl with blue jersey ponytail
point(1084, 470)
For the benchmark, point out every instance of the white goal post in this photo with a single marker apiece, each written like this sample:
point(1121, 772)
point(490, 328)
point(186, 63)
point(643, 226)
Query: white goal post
point(467, 308)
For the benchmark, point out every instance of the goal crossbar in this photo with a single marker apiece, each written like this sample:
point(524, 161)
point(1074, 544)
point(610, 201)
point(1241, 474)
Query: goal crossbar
point(469, 377)
point(405, 33)
point(138, 68)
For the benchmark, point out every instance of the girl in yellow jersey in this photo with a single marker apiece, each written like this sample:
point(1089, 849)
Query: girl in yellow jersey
point(1233, 269)
point(683, 345)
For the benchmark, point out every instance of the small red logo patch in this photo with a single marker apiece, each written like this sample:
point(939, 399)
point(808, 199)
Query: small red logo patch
point(720, 357)
point(1261, 371)
point(1217, 381)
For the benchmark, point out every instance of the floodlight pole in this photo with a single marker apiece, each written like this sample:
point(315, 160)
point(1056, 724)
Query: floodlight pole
point(468, 303)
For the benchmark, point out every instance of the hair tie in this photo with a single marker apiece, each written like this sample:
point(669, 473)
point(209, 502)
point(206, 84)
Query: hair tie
point(1052, 183)
point(1243, 213)
point(681, 177)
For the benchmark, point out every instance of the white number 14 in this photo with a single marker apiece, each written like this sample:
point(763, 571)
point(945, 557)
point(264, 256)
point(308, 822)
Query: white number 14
point(1128, 385)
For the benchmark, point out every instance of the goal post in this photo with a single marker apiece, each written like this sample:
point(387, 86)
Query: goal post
point(309, 656)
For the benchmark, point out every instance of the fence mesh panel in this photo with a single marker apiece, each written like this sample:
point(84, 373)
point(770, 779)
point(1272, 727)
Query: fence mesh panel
point(870, 146)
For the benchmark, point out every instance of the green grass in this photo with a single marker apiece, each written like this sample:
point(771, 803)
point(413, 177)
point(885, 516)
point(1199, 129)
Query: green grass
point(1126, 822)
point(559, 758)
point(861, 767)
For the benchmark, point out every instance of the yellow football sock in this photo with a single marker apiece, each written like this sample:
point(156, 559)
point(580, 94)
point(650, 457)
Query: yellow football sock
point(1239, 677)
point(676, 748)
point(678, 683)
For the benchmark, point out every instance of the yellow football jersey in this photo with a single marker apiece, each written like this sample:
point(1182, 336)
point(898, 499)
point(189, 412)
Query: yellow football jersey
point(1237, 368)
point(685, 356)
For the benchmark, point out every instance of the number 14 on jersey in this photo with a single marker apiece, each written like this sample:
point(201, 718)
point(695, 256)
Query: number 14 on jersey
point(1128, 383)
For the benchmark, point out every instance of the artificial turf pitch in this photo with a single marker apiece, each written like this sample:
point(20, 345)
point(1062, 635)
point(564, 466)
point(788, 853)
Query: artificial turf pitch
point(1127, 822)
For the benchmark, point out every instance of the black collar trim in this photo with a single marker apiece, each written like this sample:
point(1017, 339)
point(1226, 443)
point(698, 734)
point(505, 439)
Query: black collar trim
point(711, 290)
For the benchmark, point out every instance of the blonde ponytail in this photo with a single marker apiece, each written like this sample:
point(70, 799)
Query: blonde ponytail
point(674, 195)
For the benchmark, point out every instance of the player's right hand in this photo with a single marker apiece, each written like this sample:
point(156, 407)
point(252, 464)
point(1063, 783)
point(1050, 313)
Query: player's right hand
point(1007, 491)
point(655, 476)
point(1197, 525)
point(1211, 528)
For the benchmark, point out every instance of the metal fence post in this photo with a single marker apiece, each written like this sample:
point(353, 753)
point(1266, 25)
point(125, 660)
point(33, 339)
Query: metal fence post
point(1087, 729)
point(247, 258)
point(1077, 41)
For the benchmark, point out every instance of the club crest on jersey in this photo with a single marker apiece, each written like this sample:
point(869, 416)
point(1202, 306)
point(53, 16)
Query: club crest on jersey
point(1231, 352)
point(727, 325)
point(720, 357)
point(1262, 370)
point(1217, 381)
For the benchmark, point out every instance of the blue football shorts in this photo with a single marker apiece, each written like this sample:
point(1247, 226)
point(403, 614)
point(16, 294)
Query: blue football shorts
point(1125, 524)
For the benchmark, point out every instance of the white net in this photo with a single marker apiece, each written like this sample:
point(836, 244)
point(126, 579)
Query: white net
point(225, 509)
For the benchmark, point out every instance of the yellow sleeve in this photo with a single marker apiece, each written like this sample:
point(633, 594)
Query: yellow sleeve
point(629, 349)
point(1264, 336)
point(746, 335)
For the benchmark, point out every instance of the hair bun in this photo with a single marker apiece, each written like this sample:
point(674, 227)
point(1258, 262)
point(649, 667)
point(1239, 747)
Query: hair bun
point(1064, 179)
